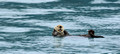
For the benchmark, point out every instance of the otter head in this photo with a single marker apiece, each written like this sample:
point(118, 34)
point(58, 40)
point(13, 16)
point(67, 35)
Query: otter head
point(59, 28)
point(91, 32)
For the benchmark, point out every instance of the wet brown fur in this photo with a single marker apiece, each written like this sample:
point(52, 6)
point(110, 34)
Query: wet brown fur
point(59, 31)
point(91, 35)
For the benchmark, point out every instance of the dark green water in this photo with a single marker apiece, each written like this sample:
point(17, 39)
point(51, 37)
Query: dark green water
point(26, 26)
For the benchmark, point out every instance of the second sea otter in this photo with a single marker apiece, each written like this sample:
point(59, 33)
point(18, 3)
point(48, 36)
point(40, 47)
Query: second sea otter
point(91, 35)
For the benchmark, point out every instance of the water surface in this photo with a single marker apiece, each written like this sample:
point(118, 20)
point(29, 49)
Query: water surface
point(26, 26)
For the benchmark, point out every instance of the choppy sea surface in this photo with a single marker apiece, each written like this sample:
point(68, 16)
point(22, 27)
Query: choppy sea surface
point(26, 26)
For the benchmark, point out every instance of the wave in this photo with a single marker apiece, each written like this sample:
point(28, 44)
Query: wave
point(105, 1)
point(17, 29)
point(105, 8)
point(66, 24)
point(28, 1)
point(15, 13)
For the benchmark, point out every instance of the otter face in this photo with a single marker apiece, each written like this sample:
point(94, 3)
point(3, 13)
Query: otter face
point(59, 28)
point(91, 32)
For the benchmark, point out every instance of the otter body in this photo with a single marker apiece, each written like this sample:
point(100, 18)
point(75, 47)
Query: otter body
point(91, 35)
point(60, 34)
point(59, 31)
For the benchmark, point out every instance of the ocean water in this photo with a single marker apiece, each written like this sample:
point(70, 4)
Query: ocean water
point(26, 26)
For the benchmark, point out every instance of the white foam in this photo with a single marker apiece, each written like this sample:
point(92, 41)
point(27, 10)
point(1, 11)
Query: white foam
point(72, 44)
point(14, 13)
point(100, 8)
point(42, 11)
point(13, 16)
point(98, 1)
point(17, 29)
point(22, 52)
point(113, 21)
point(5, 44)
point(76, 40)
point(103, 1)
point(29, 1)
point(73, 40)
point(66, 24)
point(117, 1)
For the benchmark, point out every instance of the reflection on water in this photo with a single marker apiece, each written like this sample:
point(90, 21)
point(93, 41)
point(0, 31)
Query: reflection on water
point(91, 39)
point(26, 26)
point(58, 42)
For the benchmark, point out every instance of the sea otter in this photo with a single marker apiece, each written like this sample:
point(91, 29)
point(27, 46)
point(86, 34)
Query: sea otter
point(91, 35)
point(59, 31)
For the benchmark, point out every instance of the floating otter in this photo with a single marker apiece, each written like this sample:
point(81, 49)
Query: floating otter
point(59, 31)
point(91, 35)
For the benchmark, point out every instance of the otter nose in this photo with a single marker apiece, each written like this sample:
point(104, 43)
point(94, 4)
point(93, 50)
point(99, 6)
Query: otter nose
point(60, 26)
